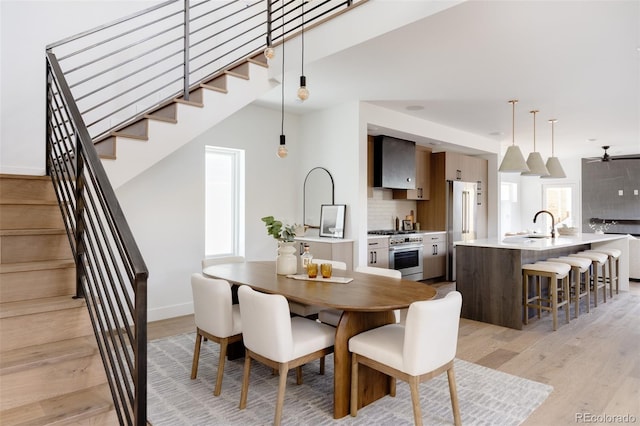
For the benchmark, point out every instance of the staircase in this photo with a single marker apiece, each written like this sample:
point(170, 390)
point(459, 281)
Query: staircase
point(157, 134)
point(50, 368)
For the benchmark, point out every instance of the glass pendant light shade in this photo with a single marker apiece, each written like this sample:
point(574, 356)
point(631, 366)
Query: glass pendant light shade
point(553, 163)
point(513, 161)
point(534, 160)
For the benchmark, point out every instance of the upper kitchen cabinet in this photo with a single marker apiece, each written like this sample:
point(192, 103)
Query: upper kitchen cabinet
point(394, 163)
point(423, 170)
point(463, 167)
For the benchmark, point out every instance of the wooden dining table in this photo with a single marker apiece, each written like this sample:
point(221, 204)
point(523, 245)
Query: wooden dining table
point(367, 302)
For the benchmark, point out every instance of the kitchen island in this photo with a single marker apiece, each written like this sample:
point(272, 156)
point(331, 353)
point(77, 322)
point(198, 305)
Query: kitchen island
point(489, 271)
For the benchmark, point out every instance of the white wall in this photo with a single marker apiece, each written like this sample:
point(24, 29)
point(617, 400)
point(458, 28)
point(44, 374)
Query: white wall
point(165, 205)
point(26, 28)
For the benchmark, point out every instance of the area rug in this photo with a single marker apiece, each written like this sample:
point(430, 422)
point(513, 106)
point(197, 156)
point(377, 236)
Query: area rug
point(486, 396)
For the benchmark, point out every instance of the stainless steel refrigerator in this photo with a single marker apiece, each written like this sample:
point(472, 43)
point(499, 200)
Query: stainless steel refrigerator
point(462, 219)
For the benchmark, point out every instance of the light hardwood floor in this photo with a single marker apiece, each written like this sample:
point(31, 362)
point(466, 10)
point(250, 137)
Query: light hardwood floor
point(593, 363)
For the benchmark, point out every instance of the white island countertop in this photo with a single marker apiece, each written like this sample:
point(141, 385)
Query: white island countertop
point(523, 242)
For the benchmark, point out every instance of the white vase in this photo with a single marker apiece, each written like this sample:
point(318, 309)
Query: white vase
point(286, 262)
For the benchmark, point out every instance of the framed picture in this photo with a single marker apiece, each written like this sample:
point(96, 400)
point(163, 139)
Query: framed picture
point(407, 225)
point(332, 220)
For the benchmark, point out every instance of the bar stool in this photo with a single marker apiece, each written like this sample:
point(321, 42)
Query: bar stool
point(558, 289)
point(599, 262)
point(580, 287)
point(613, 257)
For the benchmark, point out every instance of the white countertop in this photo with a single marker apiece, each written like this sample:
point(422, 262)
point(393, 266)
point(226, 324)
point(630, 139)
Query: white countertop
point(323, 239)
point(522, 242)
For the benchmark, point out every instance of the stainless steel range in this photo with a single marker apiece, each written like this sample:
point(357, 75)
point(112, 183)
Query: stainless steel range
point(405, 252)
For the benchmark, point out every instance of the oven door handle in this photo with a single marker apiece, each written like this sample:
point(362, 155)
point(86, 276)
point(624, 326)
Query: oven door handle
point(406, 248)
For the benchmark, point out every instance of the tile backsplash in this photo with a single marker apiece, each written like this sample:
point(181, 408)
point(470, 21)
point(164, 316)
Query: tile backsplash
point(382, 209)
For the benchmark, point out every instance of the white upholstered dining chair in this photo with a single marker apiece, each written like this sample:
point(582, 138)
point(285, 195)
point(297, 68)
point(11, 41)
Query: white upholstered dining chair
point(274, 338)
point(332, 316)
point(422, 348)
point(216, 318)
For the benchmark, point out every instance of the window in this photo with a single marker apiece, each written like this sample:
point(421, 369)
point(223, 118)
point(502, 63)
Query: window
point(561, 201)
point(509, 207)
point(224, 204)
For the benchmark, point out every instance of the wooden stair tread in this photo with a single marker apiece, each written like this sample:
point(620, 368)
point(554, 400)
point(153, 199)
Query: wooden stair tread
point(106, 148)
point(196, 98)
point(71, 408)
point(43, 265)
point(46, 354)
point(240, 71)
point(36, 306)
point(259, 59)
point(138, 130)
point(167, 113)
point(26, 177)
point(38, 231)
point(18, 201)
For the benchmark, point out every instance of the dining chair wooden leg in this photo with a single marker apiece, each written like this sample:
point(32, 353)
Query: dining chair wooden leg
point(453, 391)
point(322, 366)
point(224, 344)
point(245, 381)
point(299, 375)
point(354, 385)
point(392, 386)
point(196, 356)
point(414, 384)
point(282, 387)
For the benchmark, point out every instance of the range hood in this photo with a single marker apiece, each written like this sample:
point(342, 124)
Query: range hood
point(394, 163)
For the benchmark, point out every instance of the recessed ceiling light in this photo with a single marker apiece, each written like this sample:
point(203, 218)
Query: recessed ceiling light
point(496, 133)
point(592, 140)
point(414, 108)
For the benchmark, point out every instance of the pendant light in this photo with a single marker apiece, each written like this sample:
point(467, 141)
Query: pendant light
point(553, 163)
point(282, 148)
point(534, 160)
point(513, 161)
point(303, 92)
point(269, 51)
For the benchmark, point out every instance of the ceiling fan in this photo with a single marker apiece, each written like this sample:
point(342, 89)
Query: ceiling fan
point(606, 157)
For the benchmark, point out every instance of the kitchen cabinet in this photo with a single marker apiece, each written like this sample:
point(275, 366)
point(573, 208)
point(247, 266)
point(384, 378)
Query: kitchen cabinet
point(463, 167)
point(432, 213)
point(423, 170)
point(326, 248)
point(378, 252)
point(434, 260)
point(394, 164)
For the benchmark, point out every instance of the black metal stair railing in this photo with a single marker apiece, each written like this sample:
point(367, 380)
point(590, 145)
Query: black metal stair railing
point(103, 80)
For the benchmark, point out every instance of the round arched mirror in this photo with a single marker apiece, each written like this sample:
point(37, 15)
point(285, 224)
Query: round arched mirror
point(318, 190)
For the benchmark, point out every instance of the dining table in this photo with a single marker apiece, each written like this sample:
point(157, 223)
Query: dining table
point(367, 302)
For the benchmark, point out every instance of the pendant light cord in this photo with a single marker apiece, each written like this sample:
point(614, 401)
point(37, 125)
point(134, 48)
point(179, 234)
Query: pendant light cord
point(302, 39)
point(534, 128)
point(282, 83)
point(552, 121)
point(513, 121)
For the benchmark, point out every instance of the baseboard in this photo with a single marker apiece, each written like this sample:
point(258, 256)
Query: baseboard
point(165, 312)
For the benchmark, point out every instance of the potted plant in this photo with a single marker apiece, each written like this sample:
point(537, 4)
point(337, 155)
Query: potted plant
point(286, 262)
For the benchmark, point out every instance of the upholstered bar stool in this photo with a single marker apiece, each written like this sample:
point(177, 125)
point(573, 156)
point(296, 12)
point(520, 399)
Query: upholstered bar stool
point(613, 257)
point(557, 275)
point(580, 268)
point(598, 274)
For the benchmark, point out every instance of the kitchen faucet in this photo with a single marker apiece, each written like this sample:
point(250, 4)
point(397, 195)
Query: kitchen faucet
point(553, 222)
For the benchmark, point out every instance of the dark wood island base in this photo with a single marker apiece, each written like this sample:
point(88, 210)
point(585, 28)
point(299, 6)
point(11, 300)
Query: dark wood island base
point(490, 280)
